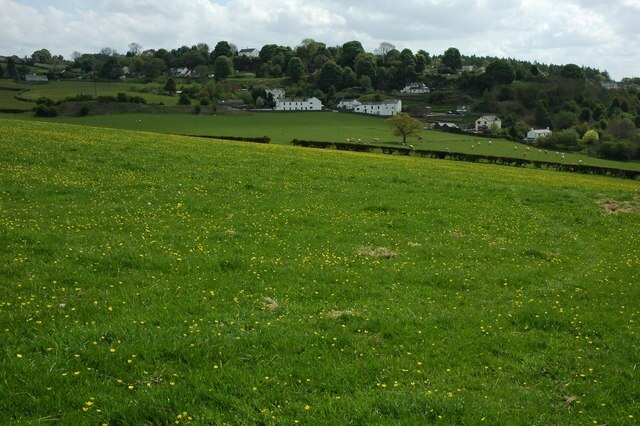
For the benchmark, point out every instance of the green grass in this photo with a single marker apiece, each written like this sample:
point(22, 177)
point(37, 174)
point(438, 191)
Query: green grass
point(58, 90)
point(8, 101)
point(145, 276)
point(282, 128)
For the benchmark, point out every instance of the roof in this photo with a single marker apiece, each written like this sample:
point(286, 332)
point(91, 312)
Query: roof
point(489, 118)
point(251, 49)
point(298, 99)
point(385, 102)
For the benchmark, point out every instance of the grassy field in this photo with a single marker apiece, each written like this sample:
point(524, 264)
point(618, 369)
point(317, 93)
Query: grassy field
point(152, 278)
point(58, 90)
point(8, 101)
point(282, 128)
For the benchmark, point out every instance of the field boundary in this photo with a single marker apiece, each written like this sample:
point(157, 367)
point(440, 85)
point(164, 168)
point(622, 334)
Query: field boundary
point(472, 158)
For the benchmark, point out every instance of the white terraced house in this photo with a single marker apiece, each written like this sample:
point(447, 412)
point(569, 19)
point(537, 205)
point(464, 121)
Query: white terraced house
point(298, 104)
point(416, 88)
point(387, 108)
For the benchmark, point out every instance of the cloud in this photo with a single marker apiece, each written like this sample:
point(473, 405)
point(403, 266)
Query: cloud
point(586, 32)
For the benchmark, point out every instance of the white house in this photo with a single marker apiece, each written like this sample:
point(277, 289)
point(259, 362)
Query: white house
point(298, 104)
point(534, 134)
point(415, 88)
point(250, 52)
point(349, 104)
point(387, 108)
point(276, 93)
point(486, 121)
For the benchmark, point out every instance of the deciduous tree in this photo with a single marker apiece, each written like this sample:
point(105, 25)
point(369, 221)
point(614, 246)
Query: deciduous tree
point(452, 59)
point(222, 68)
point(404, 125)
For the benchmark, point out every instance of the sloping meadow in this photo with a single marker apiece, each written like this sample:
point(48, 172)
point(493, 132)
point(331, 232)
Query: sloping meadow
point(164, 279)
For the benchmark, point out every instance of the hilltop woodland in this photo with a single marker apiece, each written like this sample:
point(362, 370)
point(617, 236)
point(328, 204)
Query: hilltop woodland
point(584, 108)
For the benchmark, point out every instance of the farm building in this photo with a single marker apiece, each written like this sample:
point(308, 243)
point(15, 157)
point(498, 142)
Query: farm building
point(445, 127)
point(387, 108)
point(298, 104)
point(486, 121)
point(36, 78)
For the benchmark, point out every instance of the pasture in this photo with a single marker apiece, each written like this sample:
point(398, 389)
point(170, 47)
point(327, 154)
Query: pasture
point(152, 278)
point(59, 90)
point(282, 128)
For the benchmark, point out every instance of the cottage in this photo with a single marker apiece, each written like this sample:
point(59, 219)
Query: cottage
point(276, 93)
point(415, 88)
point(486, 121)
point(249, 52)
point(298, 104)
point(534, 134)
point(349, 104)
point(421, 112)
point(36, 78)
point(389, 107)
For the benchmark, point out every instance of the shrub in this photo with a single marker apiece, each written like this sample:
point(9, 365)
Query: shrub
point(184, 99)
point(84, 111)
point(45, 101)
point(197, 109)
point(106, 98)
point(43, 110)
point(616, 150)
point(122, 97)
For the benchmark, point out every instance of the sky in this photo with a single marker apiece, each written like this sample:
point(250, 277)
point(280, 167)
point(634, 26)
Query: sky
point(595, 33)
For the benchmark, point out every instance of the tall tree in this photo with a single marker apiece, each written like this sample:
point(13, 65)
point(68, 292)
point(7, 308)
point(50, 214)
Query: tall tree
point(572, 71)
point(135, 49)
point(42, 56)
point(404, 125)
point(452, 59)
point(500, 72)
point(295, 69)
point(329, 75)
point(223, 48)
point(350, 51)
point(222, 68)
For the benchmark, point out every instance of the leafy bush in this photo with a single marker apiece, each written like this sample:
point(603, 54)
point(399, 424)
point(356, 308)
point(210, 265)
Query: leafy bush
point(84, 110)
point(616, 150)
point(106, 98)
point(184, 99)
point(43, 110)
point(122, 97)
point(45, 101)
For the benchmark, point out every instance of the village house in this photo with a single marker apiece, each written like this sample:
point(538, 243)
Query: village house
point(415, 88)
point(389, 107)
point(276, 93)
point(534, 134)
point(486, 121)
point(298, 104)
point(249, 52)
point(348, 104)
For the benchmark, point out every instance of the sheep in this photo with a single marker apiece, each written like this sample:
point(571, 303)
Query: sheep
point(472, 147)
point(515, 148)
point(528, 149)
point(411, 147)
point(546, 152)
point(490, 142)
point(376, 140)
